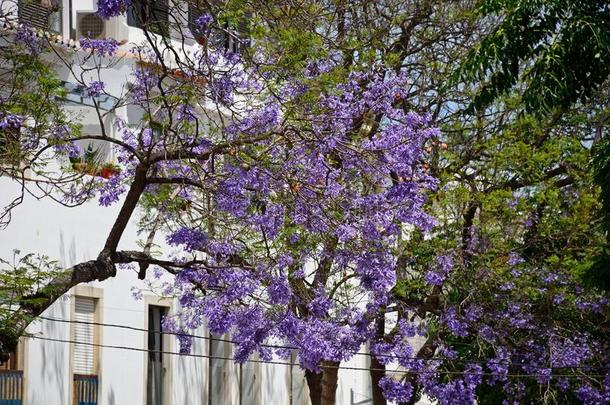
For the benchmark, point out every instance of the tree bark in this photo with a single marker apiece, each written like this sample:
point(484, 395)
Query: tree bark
point(314, 383)
point(323, 386)
point(330, 379)
point(376, 369)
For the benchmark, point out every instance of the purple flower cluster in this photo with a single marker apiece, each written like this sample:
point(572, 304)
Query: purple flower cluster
point(396, 391)
point(203, 22)
point(101, 47)
point(111, 190)
point(112, 8)
point(438, 275)
point(191, 239)
point(27, 36)
point(9, 121)
point(94, 89)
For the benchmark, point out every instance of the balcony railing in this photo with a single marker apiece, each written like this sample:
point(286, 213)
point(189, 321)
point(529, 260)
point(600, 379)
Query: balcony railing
point(85, 389)
point(11, 387)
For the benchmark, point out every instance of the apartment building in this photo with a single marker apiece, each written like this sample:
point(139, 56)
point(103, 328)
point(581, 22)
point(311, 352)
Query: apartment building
point(98, 344)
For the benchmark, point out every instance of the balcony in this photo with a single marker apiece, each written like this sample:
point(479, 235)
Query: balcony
point(85, 389)
point(11, 387)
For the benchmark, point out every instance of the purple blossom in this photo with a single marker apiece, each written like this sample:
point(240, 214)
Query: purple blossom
point(112, 8)
point(396, 391)
point(514, 259)
point(111, 190)
point(10, 121)
point(438, 275)
point(320, 304)
point(454, 323)
point(94, 89)
point(203, 22)
point(27, 36)
point(279, 291)
point(136, 293)
point(101, 47)
point(192, 239)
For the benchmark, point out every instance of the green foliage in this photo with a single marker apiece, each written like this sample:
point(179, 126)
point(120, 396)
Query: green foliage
point(601, 175)
point(554, 52)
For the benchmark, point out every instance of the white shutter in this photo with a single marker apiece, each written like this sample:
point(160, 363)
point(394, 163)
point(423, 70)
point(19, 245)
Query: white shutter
point(84, 311)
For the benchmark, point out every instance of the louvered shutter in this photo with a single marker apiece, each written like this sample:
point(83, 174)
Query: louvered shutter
point(39, 15)
point(84, 335)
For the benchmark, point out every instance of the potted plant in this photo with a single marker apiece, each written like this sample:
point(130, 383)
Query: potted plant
point(109, 170)
point(88, 163)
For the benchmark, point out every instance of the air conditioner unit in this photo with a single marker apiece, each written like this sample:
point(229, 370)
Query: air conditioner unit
point(90, 25)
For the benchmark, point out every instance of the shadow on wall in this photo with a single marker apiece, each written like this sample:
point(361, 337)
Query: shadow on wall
point(190, 377)
point(68, 260)
point(111, 398)
point(53, 362)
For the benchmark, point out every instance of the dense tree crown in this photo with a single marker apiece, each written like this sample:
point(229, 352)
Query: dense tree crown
point(329, 188)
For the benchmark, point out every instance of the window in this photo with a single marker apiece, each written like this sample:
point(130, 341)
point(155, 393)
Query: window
point(156, 391)
point(41, 14)
point(76, 94)
point(94, 159)
point(85, 352)
point(152, 15)
point(233, 40)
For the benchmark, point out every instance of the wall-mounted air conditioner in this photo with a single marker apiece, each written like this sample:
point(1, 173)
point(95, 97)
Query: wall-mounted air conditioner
point(90, 25)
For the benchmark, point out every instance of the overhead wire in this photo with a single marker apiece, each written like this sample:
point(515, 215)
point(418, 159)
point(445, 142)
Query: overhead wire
point(273, 346)
point(323, 366)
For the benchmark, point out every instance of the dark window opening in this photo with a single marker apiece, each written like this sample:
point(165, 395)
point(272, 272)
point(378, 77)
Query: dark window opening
point(157, 369)
point(228, 38)
point(152, 15)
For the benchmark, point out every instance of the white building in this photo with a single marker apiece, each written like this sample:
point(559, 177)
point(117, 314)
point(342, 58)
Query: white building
point(96, 345)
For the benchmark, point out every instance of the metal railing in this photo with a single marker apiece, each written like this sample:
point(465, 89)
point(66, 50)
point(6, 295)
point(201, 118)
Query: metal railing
point(85, 389)
point(11, 387)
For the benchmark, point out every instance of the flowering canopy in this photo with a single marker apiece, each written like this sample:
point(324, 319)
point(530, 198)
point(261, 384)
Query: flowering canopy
point(290, 209)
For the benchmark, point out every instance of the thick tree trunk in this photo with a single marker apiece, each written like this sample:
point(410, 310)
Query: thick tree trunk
point(330, 379)
point(377, 373)
point(314, 383)
point(377, 369)
point(323, 386)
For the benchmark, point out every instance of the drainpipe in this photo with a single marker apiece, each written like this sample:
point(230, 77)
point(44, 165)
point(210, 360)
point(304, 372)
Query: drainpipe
point(292, 359)
point(210, 369)
point(240, 380)
point(72, 31)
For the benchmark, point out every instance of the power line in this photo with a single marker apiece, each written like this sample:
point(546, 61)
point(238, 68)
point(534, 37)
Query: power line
point(429, 359)
point(137, 349)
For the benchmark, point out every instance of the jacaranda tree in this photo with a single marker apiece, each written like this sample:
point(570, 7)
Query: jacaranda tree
point(304, 207)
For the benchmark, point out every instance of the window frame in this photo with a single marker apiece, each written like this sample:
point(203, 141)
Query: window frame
point(97, 295)
point(168, 346)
